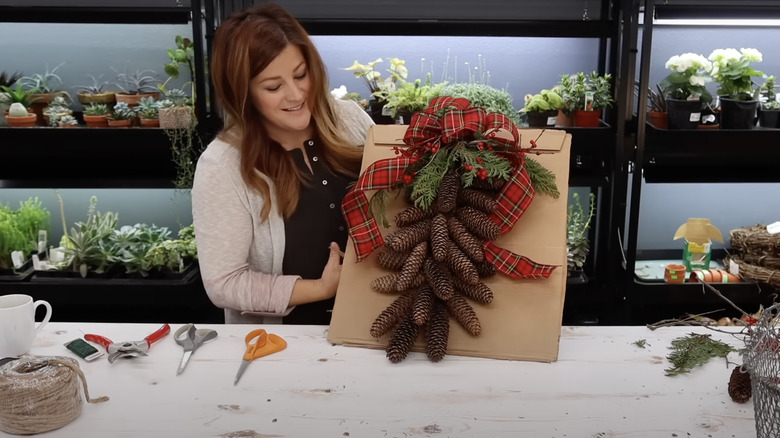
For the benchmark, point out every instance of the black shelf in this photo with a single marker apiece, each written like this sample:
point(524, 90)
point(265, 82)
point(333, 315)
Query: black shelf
point(96, 11)
point(85, 158)
point(711, 155)
point(592, 152)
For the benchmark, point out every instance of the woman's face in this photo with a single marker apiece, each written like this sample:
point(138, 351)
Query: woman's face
point(280, 94)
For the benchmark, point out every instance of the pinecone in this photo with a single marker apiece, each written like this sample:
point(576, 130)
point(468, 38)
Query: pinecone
point(404, 239)
point(477, 199)
point(411, 268)
point(486, 269)
point(413, 214)
point(740, 389)
point(460, 265)
point(439, 237)
point(469, 243)
point(391, 260)
point(395, 312)
point(478, 292)
point(448, 192)
point(439, 279)
point(423, 304)
point(462, 311)
point(438, 332)
point(385, 284)
point(491, 184)
point(479, 223)
point(402, 340)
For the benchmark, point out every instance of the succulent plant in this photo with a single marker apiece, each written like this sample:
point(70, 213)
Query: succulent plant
point(122, 112)
point(148, 108)
point(96, 109)
point(17, 110)
point(68, 120)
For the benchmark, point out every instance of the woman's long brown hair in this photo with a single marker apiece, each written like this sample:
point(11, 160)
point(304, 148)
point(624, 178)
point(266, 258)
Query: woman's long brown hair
point(243, 47)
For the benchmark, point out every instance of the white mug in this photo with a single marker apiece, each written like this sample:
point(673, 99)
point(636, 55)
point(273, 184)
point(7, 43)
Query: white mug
point(17, 323)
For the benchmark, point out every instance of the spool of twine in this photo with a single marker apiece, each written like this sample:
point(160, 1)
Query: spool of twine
point(40, 393)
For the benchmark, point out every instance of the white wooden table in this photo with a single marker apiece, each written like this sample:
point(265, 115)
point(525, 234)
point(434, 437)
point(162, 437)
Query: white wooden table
point(602, 386)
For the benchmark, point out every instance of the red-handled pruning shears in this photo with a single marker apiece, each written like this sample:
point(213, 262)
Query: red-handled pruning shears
point(129, 348)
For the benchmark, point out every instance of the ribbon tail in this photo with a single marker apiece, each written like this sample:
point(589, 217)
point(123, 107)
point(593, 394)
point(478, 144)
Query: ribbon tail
point(514, 265)
point(513, 200)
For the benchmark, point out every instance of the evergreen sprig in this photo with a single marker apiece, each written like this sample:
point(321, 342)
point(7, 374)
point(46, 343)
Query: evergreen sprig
point(495, 166)
point(542, 178)
point(693, 350)
point(428, 178)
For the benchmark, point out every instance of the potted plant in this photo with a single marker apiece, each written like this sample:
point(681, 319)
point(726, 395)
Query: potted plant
point(377, 85)
point(657, 110)
point(20, 117)
point(685, 89)
point(409, 97)
point(58, 108)
point(68, 122)
point(96, 92)
point(175, 111)
point(148, 112)
point(135, 86)
point(45, 85)
point(588, 95)
point(6, 81)
point(181, 55)
point(738, 94)
point(21, 96)
point(96, 115)
point(19, 233)
point(577, 225)
point(564, 88)
point(542, 108)
point(770, 107)
point(121, 116)
point(485, 96)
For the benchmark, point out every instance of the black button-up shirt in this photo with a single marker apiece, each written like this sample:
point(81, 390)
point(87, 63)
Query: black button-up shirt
point(308, 232)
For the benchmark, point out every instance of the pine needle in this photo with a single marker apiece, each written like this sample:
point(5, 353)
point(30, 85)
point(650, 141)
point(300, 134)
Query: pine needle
point(694, 350)
point(377, 206)
point(641, 343)
point(542, 178)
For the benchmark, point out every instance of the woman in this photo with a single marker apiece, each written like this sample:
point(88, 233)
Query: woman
point(266, 200)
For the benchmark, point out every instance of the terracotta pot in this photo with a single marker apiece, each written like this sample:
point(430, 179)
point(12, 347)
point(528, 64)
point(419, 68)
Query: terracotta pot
point(133, 99)
point(713, 276)
point(96, 121)
point(564, 119)
point(587, 119)
point(22, 122)
point(150, 123)
point(659, 119)
point(68, 126)
point(40, 102)
point(674, 273)
point(119, 123)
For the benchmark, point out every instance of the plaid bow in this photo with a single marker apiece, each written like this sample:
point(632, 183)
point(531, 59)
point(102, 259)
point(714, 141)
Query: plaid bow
point(448, 120)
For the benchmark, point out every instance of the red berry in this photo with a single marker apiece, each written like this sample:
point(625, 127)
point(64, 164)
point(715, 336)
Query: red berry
point(468, 167)
point(479, 160)
point(407, 179)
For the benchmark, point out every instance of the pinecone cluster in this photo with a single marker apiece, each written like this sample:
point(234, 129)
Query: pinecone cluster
point(437, 261)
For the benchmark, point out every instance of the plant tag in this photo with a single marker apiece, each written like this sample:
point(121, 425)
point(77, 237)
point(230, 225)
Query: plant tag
point(695, 117)
point(36, 263)
point(56, 255)
point(43, 240)
point(551, 121)
point(17, 258)
point(588, 101)
point(387, 111)
point(773, 228)
point(733, 268)
point(709, 118)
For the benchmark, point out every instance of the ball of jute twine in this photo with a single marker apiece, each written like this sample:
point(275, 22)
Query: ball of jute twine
point(40, 393)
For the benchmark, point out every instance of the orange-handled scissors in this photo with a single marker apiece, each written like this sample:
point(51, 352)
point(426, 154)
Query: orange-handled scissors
point(266, 344)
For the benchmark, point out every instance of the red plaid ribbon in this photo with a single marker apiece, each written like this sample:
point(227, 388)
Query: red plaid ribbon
point(445, 121)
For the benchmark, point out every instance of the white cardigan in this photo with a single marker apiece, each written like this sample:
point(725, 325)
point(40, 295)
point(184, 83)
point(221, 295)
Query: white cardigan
point(241, 256)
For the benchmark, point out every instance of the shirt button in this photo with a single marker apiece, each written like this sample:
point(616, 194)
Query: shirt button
point(341, 228)
point(324, 182)
point(314, 159)
point(332, 205)
point(310, 143)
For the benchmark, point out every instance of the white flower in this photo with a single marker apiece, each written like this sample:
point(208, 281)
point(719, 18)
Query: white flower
point(721, 57)
point(686, 61)
point(696, 80)
point(339, 92)
point(752, 55)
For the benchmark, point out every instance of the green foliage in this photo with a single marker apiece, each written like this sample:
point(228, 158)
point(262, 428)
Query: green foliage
point(578, 88)
point(175, 97)
point(577, 226)
point(496, 166)
point(87, 241)
point(19, 229)
point(130, 245)
point(181, 55)
point(174, 255)
point(95, 87)
point(656, 98)
point(186, 147)
point(641, 343)
point(140, 82)
point(427, 181)
point(768, 92)
point(546, 100)
point(43, 83)
point(485, 96)
point(148, 108)
point(122, 112)
point(694, 350)
point(97, 109)
point(411, 96)
point(20, 95)
point(542, 179)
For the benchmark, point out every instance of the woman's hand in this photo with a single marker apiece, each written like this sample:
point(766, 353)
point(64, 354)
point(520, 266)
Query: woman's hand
point(309, 291)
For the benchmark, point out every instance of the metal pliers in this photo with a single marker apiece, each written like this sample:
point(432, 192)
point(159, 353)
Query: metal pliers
point(129, 348)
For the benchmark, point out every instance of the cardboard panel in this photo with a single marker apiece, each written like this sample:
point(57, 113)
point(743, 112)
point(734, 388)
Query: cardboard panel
point(524, 320)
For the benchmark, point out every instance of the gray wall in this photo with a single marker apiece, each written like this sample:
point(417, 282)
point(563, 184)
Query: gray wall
point(520, 65)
